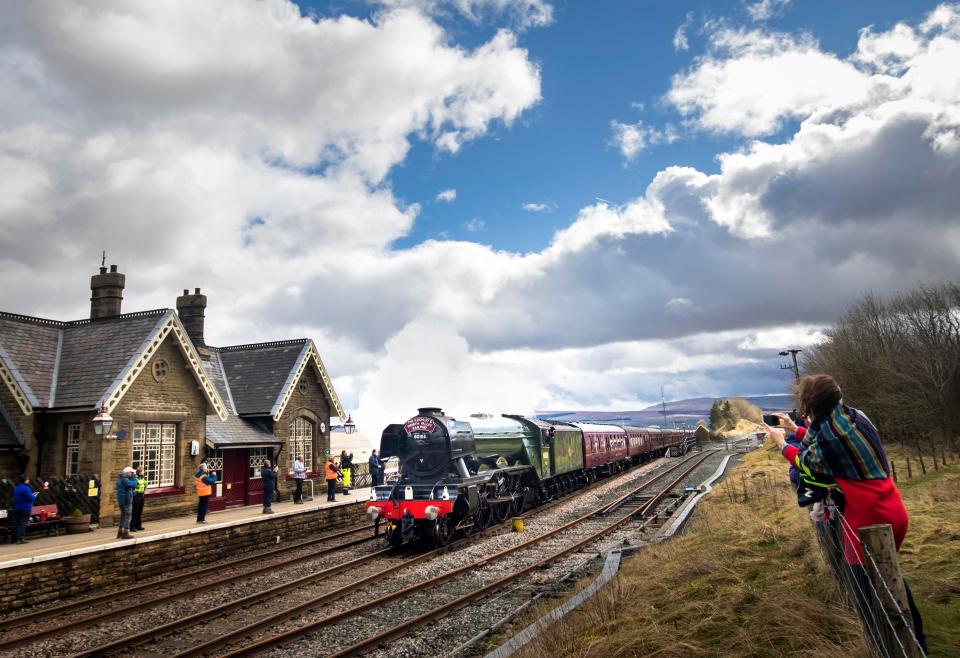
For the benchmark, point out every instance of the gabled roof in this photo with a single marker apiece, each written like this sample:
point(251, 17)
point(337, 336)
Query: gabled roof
point(233, 431)
point(28, 347)
point(261, 377)
point(88, 363)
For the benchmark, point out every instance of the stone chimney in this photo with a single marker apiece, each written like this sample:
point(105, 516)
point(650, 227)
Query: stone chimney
point(106, 293)
point(191, 309)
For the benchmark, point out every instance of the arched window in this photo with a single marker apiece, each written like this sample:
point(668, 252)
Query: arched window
point(301, 441)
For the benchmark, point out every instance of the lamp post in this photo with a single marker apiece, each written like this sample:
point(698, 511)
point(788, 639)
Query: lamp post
point(349, 427)
point(102, 422)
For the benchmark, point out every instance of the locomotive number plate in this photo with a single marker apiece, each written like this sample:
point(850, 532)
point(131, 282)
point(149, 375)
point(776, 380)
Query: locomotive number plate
point(419, 435)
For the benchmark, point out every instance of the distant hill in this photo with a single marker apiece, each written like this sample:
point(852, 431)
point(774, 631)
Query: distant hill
point(688, 411)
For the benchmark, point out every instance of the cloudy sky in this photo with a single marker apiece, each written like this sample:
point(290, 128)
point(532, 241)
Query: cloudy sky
point(486, 204)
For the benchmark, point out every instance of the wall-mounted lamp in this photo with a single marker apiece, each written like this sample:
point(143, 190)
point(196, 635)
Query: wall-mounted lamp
point(102, 423)
point(349, 427)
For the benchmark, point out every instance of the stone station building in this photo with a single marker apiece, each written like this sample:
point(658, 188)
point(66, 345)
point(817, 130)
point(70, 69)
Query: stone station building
point(175, 401)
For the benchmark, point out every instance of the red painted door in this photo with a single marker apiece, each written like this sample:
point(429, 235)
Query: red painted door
point(235, 466)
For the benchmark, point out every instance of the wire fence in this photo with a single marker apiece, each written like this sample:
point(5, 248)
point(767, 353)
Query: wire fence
point(890, 622)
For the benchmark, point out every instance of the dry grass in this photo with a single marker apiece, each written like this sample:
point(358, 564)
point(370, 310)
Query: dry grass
point(746, 579)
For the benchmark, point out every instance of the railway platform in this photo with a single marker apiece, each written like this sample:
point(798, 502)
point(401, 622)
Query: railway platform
point(42, 548)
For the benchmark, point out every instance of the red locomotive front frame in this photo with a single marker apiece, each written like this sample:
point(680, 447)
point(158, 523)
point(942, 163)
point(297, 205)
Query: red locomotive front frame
point(391, 509)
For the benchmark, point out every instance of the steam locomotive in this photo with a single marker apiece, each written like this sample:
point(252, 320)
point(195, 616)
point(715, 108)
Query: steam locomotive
point(458, 477)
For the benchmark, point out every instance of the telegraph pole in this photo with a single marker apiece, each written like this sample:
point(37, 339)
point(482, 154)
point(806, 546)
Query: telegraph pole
point(786, 366)
point(663, 402)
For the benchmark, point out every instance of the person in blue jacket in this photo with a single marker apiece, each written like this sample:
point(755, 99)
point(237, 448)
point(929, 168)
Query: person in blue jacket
point(23, 497)
point(126, 483)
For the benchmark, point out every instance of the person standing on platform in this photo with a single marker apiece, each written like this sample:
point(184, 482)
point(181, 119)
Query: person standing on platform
point(346, 467)
point(331, 476)
point(299, 475)
point(204, 481)
point(269, 478)
point(126, 483)
point(376, 469)
point(139, 493)
point(23, 497)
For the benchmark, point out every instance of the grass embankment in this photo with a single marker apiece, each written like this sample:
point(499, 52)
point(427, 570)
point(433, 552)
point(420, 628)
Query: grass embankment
point(746, 579)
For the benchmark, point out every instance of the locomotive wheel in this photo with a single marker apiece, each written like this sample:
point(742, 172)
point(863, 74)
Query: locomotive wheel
point(517, 505)
point(442, 532)
point(500, 512)
point(393, 535)
point(482, 517)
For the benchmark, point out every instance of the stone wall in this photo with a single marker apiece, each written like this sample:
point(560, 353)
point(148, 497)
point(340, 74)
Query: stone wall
point(176, 398)
point(313, 404)
point(90, 573)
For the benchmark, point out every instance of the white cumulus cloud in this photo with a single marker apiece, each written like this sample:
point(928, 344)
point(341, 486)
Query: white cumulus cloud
point(447, 196)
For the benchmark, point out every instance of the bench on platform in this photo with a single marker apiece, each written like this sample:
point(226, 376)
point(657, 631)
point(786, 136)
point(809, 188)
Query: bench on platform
point(41, 516)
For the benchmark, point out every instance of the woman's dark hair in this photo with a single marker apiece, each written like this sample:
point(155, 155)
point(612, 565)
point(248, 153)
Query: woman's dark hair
point(817, 395)
point(22, 479)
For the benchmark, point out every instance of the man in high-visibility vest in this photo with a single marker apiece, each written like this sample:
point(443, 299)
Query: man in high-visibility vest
point(139, 492)
point(204, 482)
point(332, 472)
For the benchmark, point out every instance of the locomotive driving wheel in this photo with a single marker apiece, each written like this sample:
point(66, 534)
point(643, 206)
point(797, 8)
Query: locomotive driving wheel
point(442, 531)
point(520, 494)
point(482, 518)
point(501, 508)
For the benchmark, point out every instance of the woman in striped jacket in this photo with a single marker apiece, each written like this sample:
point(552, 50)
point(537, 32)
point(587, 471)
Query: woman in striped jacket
point(842, 443)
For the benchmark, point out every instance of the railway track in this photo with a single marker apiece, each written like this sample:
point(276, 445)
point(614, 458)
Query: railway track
point(189, 636)
point(16, 632)
point(424, 591)
point(240, 617)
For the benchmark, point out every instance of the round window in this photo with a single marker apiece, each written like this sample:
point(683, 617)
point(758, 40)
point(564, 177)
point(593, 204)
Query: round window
point(160, 369)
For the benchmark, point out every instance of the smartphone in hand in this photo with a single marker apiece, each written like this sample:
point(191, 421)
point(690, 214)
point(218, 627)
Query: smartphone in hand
point(771, 420)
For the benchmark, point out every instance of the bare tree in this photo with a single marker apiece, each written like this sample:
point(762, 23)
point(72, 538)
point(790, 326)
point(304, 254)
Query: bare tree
point(899, 360)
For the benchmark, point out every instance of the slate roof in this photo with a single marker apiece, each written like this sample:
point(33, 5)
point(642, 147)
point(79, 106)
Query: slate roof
point(257, 373)
point(95, 352)
point(234, 431)
point(72, 364)
point(9, 437)
point(31, 343)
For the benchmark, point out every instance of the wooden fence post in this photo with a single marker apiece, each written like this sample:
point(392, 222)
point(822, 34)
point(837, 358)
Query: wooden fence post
point(884, 572)
point(909, 470)
point(943, 454)
point(893, 467)
point(933, 451)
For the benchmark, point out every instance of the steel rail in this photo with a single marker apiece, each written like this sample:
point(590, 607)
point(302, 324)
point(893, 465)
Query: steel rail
point(144, 604)
point(223, 640)
point(295, 633)
point(140, 588)
point(452, 606)
point(212, 613)
point(200, 617)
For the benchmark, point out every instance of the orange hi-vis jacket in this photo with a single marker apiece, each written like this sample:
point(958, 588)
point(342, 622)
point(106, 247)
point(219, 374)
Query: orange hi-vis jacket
point(203, 489)
point(331, 470)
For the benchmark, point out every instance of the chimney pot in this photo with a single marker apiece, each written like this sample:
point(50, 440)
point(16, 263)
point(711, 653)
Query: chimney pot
point(196, 291)
point(103, 270)
point(185, 292)
point(113, 268)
